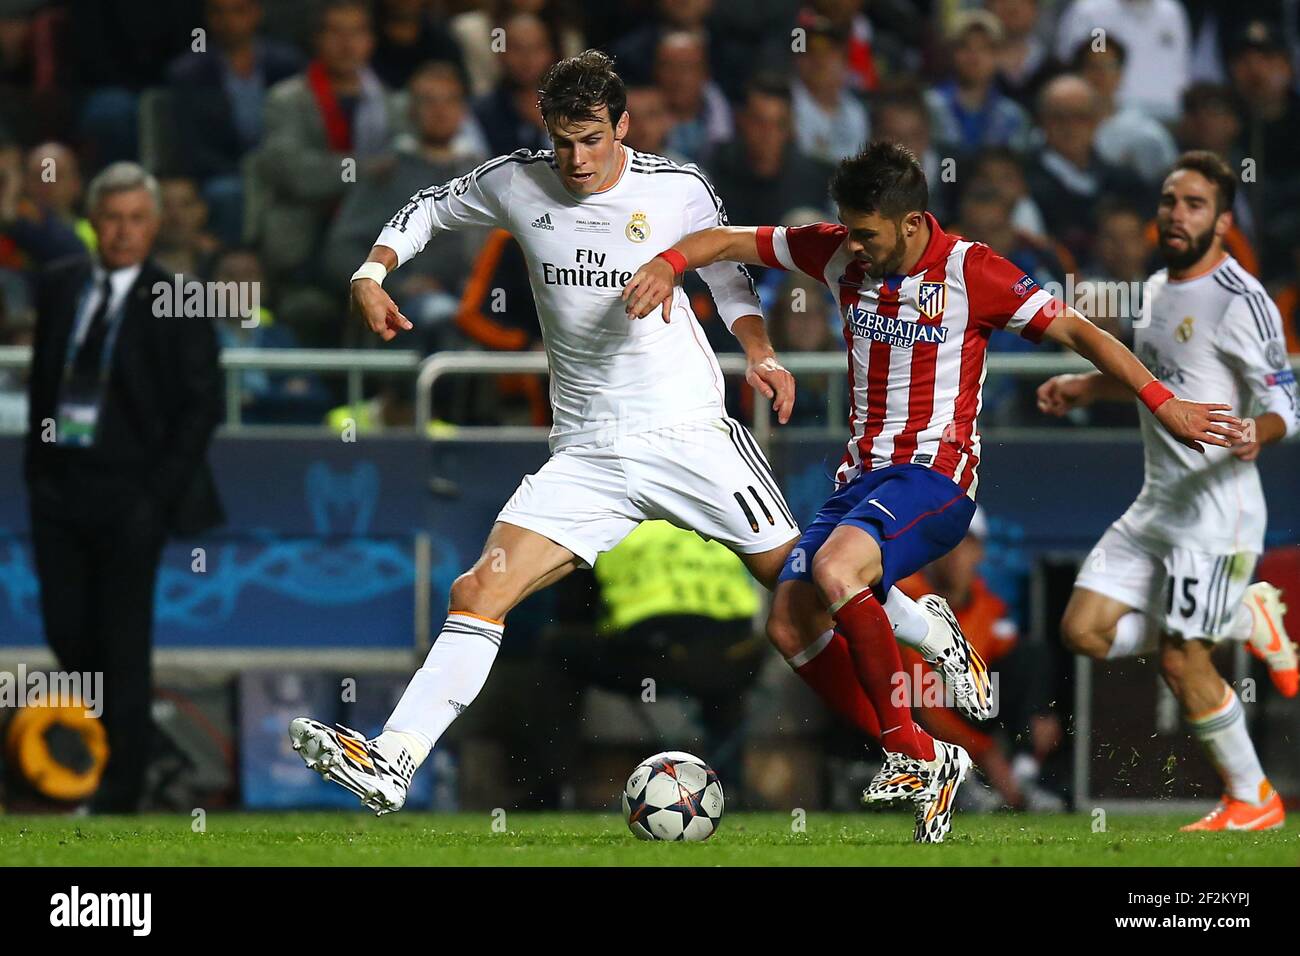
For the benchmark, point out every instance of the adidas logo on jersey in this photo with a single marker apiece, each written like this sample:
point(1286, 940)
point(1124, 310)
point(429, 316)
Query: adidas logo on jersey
point(543, 222)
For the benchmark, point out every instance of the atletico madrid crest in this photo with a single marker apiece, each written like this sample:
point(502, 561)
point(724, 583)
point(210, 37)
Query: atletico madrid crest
point(931, 298)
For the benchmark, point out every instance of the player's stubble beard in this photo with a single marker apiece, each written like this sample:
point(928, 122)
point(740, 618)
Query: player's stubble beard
point(1197, 246)
point(890, 265)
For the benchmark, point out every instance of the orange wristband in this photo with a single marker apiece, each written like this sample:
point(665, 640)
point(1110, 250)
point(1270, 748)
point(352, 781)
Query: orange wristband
point(675, 259)
point(1154, 394)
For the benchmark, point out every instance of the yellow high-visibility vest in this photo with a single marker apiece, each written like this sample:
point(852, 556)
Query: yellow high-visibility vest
point(659, 570)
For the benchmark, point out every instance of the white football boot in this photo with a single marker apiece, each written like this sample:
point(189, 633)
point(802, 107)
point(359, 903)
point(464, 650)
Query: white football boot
point(946, 649)
point(379, 779)
point(930, 784)
point(934, 809)
point(1269, 640)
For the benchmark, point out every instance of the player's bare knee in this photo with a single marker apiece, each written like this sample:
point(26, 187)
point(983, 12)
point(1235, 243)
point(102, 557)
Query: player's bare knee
point(1073, 638)
point(784, 634)
point(469, 592)
point(833, 578)
point(1082, 636)
point(840, 576)
point(797, 618)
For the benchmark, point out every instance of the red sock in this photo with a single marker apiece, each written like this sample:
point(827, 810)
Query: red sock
point(832, 676)
point(876, 660)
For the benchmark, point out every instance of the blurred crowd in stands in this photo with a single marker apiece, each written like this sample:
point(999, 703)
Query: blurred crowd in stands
point(285, 132)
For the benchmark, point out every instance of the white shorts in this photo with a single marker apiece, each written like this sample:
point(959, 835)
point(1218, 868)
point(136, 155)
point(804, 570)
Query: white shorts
point(705, 476)
point(1192, 594)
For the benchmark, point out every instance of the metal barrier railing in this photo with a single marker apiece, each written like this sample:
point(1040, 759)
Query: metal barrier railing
point(435, 367)
point(355, 364)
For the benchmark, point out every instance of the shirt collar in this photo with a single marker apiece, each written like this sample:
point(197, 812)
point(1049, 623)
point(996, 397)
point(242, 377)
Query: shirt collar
point(937, 249)
point(119, 280)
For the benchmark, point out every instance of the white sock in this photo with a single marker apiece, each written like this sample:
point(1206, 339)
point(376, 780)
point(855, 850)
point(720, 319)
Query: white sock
point(414, 743)
point(911, 626)
point(1242, 624)
point(1133, 638)
point(811, 651)
point(452, 676)
point(1222, 732)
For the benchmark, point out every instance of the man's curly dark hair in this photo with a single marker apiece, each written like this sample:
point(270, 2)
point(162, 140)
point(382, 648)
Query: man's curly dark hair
point(884, 178)
point(578, 88)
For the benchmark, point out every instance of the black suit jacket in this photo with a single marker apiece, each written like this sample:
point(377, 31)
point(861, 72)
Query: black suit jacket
point(161, 405)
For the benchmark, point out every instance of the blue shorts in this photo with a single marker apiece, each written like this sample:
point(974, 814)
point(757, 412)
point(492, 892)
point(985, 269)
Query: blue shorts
point(914, 513)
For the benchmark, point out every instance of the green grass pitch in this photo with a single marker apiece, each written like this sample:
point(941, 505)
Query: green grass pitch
point(600, 839)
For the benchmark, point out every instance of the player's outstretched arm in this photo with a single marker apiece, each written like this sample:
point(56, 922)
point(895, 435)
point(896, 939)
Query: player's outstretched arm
point(1190, 422)
point(1060, 393)
point(478, 198)
point(651, 286)
point(369, 300)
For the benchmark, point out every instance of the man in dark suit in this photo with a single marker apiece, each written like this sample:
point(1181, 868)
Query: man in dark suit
point(124, 397)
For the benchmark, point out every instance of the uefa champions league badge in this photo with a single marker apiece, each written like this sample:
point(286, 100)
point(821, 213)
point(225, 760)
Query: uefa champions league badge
point(638, 230)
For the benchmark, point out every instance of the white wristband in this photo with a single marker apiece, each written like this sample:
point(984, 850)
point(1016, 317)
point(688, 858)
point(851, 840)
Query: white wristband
point(371, 270)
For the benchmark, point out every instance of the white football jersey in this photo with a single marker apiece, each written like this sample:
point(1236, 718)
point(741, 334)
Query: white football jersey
point(1215, 338)
point(610, 374)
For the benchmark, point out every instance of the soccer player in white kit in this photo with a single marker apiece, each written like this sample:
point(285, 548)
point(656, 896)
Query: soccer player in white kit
point(1174, 571)
point(640, 426)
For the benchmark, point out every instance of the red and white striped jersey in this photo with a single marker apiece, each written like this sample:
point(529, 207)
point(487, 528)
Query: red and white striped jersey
point(917, 344)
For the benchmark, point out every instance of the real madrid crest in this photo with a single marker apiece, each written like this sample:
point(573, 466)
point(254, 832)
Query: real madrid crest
point(1184, 330)
point(931, 298)
point(638, 230)
point(1275, 354)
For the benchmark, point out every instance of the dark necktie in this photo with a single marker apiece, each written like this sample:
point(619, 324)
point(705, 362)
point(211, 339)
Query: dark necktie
point(85, 364)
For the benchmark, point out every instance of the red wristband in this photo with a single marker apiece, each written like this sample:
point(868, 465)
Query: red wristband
point(675, 259)
point(1154, 394)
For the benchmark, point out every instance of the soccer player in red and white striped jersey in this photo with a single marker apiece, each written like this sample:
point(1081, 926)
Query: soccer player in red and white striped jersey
point(919, 305)
point(916, 341)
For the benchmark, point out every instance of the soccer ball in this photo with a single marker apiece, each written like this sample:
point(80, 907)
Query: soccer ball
point(673, 796)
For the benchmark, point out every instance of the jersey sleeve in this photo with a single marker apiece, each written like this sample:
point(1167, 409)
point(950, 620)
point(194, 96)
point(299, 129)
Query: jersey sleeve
point(730, 283)
point(479, 198)
point(1251, 341)
point(1004, 296)
point(807, 249)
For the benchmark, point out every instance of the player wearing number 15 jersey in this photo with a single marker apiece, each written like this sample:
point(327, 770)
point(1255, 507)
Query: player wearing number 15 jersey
point(1174, 571)
point(918, 305)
